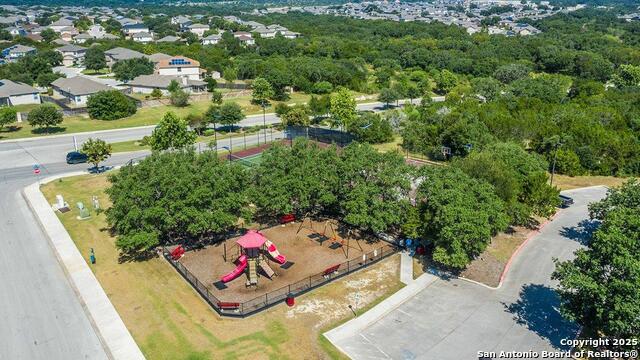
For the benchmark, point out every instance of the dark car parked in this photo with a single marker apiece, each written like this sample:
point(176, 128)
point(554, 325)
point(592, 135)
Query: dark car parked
point(76, 157)
point(565, 201)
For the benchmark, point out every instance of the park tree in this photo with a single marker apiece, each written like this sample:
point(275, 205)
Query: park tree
point(212, 84)
point(172, 133)
point(230, 114)
point(445, 81)
point(322, 87)
point(388, 95)
point(489, 88)
point(230, 74)
point(371, 128)
point(511, 72)
point(342, 108)
point(46, 78)
point(110, 105)
point(627, 75)
point(94, 59)
point(599, 288)
point(319, 106)
point(129, 69)
point(297, 115)
point(459, 214)
point(261, 92)
point(8, 115)
point(46, 116)
point(283, 183)
point(97, 151)
point(375, 187)
point(175, 198)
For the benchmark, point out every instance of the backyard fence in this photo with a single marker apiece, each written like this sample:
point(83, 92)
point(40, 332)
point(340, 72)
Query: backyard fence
point(249, 307)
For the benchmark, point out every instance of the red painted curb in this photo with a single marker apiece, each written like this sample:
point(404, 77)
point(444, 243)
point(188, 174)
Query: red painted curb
point(529, 237)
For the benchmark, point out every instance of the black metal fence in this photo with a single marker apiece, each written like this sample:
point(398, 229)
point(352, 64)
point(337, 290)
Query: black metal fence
point(323, 135)
point(249, 307)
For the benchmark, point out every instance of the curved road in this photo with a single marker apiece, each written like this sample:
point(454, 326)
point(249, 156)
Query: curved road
point(452, 319)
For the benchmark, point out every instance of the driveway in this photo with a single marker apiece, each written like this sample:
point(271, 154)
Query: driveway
point(454, 319)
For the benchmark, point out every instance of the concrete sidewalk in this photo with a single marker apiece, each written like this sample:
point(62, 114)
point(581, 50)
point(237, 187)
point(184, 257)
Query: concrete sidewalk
point(115, 337)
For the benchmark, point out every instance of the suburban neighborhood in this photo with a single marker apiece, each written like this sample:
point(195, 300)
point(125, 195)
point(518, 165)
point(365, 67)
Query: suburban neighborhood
point(442, 180)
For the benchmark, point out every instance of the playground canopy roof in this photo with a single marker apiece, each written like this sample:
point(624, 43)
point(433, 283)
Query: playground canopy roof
point(252, 239)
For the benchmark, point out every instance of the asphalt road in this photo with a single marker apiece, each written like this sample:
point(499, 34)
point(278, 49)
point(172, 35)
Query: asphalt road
point(454, 319)
point(40, 314)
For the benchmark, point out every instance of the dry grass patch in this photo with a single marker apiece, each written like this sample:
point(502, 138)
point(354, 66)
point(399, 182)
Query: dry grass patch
point(169, 320)
point(564, 182)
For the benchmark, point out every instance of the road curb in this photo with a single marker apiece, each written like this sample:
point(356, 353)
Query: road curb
point(111, 330)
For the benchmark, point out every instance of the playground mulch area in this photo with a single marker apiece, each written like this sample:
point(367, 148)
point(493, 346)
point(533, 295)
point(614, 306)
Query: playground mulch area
point(307, 252)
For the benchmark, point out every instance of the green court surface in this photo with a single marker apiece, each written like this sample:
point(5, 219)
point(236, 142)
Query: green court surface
point(248, 161)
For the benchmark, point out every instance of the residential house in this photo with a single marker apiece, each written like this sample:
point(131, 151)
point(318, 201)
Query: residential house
point(67, 34)
point(266, 33)
point(82, 38)
point(35, 37)
point(179, 66)
point(131, 29)
point(155, 58)
point(290, 34)
point(15, 52)
point(198, 29)
point(246, 40)
point(108, 36)
point(16, 31)
point(77, 90)
point(142, 37)
point(182, 21)
point(96, 31)
point(72, 54)
point(169, 39)
point(211, 39)
point(60, 24)
point(118, 54)
point(145, 84)
point(16, 93)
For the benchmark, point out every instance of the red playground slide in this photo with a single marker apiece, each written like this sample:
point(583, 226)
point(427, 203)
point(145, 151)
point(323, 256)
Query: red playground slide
point(242, 264)
point(275, 254)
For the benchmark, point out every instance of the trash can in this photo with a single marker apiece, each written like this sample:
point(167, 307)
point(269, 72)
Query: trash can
point(290, 300)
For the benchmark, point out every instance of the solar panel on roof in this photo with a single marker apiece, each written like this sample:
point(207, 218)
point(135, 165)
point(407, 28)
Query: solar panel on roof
point(179, 62)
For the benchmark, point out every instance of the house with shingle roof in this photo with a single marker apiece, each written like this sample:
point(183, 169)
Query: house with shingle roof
point(179, 66)
point(15, 52)
point(60, 24)
point(145, 84)
point(72, 54)
point(198, 29)
point(211, 39)
point(118, 54)
point(16, 93)
point(77, 90)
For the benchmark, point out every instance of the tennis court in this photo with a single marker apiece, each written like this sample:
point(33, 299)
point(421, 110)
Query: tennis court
point(248, 161)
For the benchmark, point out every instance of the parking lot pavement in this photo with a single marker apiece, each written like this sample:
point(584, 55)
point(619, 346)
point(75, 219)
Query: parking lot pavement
point(454, 319)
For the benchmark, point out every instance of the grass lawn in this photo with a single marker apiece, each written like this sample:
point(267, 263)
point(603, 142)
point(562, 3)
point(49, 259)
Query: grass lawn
point(169, 320)
point(564, 182)
point(103, 71)
point(144, 116)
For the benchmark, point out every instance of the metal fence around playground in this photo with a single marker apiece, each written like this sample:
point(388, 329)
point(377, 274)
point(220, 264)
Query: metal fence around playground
point(249, 307)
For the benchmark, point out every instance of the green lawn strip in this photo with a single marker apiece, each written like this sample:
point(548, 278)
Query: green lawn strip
point(328, 347)
point(143, 117)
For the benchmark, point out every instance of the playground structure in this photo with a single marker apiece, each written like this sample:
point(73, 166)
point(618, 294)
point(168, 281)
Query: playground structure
point(252, 246)
point(307, 264)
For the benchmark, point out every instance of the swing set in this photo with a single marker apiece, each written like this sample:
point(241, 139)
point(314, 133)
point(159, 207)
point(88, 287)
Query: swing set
point(329, 229)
